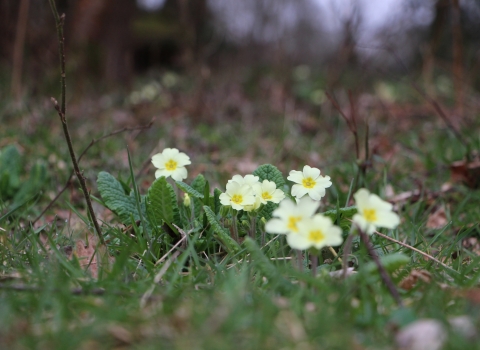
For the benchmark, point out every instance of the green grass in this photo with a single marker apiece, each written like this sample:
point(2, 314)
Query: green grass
point(226, 300)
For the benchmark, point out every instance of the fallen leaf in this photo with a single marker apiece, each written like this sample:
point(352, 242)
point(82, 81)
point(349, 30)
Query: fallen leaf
point(415, 275)
point(465, 172)
point(437, 219)
point(87, 256)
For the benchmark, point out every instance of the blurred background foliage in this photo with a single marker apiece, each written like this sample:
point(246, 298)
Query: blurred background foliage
point(312, 45)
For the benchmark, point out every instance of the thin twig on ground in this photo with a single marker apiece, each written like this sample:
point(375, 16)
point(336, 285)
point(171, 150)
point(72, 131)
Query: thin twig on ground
point(415, 250)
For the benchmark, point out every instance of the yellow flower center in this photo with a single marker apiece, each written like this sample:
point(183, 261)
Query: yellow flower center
point(292, 223)
point(171, 165)
point(266, 196)
point(370, 215)
point(237, 199)
point(316, 236)
point(308, 182)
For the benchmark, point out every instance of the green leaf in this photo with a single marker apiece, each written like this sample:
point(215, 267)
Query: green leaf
point(267, 210)
point(222, 234)
point(391, 262)
point(216, 200)
point(266, 268)
point(113, 194)
point(162, 204)
point(271, 173)
point(342, 217)
point(34, 184)
point(189, 190)
point(199, 184)
point(10, 169)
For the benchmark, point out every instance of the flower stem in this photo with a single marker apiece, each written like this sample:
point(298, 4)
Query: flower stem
point(314, 262)
point(253, 224)
point(383, 273)
point(234, 226)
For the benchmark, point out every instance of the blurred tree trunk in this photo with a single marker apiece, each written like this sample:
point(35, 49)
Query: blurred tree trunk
point(116, 41)
point(106, 24)
point(457, 58)
point(436, 31)
point(18, 49)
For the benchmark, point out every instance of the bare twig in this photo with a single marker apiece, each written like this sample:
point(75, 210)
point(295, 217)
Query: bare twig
point(383, 273)
point(61, 110)
point(93, 142)
point(415, 250)
point(351, 122)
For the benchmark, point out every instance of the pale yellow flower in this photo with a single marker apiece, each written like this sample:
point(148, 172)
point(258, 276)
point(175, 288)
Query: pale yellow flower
point(289, 214)
point(267, 191)
point(238, 196)
point(316, 232)
point(309, 181)
point(171, 162)
point(373, 212)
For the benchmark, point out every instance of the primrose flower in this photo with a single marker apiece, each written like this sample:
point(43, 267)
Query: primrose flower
point(238, 196)
point(267, 191)
point(373, 212)
point(316, 232)
point(309, 181)
point(172, 163)
point(289, 214)
point(254, 206)
point(248, 179)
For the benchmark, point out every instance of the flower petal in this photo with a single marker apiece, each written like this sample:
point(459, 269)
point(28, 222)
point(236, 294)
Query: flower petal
point(308, 171)
point(295, 176)
point(276, 226)
point(388, 220)
point(299, 191)
point(179, 174)
point(158, 161)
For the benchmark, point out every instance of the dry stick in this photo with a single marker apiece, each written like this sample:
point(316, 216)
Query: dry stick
point(383, 273)
point(351, 123)
point(93, 142)
point(62, 113)
point(415, 250)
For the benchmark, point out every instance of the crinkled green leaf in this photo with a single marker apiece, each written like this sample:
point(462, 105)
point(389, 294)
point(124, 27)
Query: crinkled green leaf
point(343, 215)
point(267, 210)
point(391, 262)
point(221, 233)
point(113, 194)
point(188, 189)
point(162, 204)
point(271, 173)
point(199, 184)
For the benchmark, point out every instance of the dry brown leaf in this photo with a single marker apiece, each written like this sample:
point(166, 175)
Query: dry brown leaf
point(415, 275)
point(437, 219)
point(121, 334)
point(467, 173)
point(472, 244)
